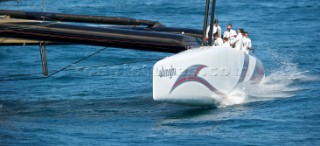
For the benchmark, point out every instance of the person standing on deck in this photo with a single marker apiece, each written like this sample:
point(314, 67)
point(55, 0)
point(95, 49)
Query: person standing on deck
point(246, 43)
point(237, 42)
point(230, 34)
point(216, 29)
point(216, 26)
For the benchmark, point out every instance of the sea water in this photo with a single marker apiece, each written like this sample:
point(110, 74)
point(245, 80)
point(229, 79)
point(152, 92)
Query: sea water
point(107, 99)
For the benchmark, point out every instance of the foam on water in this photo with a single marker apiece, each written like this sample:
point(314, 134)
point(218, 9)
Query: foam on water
point(279, 84)
point(238, 96)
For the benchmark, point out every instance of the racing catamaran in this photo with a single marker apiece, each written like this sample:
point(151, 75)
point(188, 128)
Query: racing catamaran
point(198, 74)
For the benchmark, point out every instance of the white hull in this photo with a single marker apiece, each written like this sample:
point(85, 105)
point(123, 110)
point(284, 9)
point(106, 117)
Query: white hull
point(203, 76)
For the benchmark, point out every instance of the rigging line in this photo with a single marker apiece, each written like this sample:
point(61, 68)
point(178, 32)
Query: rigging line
point(41, 24)
point(3, 40)
point(49, 22)
point(109, 65)
point(85, 67)
point(82, 59)
point(60, 70)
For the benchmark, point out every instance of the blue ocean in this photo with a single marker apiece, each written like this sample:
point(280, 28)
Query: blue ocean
point(91, 103)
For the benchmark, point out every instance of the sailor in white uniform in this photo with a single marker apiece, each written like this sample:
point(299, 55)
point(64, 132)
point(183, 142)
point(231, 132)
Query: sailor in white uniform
point(230, 34)
point(216, 25)
point(216, 29)
point(246, 43)
point(226, 43)
point(237, 42)
point(217, 40)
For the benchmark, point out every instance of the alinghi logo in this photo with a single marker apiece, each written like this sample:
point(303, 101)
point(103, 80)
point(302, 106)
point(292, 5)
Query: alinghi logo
point(167, 72)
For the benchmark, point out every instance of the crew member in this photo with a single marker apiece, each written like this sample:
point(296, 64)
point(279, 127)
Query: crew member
point(217, 40)
point(216, 29)
point(230, 34)
point(237, 42)
point(246, 43)
point(226, 43)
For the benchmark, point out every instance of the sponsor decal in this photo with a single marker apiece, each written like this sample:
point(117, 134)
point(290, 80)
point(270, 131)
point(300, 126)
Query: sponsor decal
point(244, 68)
point(170, 72)
point(191, 75)
point(258, 73)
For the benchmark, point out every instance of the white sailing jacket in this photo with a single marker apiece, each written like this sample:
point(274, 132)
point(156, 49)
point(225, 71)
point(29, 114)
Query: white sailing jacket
point(218, 42)
point(229, 34)
point(246, 43)
point(237, 42)
point(215, 29)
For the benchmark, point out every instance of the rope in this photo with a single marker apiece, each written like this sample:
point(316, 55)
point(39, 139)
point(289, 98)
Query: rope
point(44, 23)
point(82, 67)
point(60, 70)
point(110, 65)
point(50, 22)
point(3, 40)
